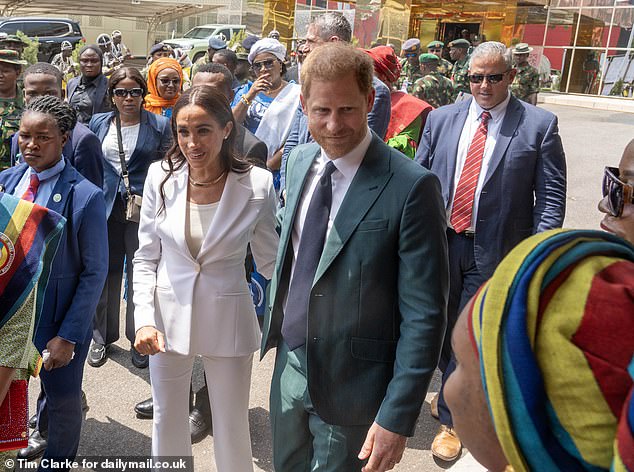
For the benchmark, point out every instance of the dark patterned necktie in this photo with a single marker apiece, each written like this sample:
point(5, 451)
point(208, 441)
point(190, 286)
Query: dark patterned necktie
point(311, 245)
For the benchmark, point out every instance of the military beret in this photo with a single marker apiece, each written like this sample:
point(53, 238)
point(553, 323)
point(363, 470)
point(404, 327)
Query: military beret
point(411, 43)
point(436, 44)
point(11, 56)
point(159, 47)
point(428, 58)
point(460, 43)
point(217, 43)
point(249, 41)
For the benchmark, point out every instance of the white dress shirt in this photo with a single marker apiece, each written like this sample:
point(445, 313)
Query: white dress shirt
point(468, 131)
point(347, 167)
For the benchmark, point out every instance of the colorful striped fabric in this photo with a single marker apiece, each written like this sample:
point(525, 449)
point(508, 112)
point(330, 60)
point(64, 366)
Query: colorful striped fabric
point(29, 235)
point(554, 332)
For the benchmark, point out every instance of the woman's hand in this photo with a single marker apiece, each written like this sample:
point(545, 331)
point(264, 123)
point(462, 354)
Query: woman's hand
point(261, 84)
point(149, 341)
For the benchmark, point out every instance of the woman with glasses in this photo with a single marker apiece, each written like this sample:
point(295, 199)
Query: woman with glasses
point(87, 93)
point(165, 82)
point(618, 196)
point(144, 138)
point(268, 106)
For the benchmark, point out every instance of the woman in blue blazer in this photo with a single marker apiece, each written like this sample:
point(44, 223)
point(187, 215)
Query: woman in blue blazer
point(77, 272)
point(145, 139)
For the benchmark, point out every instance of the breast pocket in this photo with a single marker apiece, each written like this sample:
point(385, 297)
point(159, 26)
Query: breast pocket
point(373, 225)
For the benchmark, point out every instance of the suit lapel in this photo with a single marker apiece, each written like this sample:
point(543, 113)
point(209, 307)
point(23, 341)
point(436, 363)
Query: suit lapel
point(235, 196)
point(143, 137)
point(177, 209)
point(60, 194)
point(300, 168)
point(368, 183)
point(453, 138)
point(512, 118)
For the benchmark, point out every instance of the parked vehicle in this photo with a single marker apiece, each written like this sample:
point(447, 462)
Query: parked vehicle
point(196, 40)
point(50, 32)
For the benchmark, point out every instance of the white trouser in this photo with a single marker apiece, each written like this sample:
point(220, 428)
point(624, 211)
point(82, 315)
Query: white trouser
point(229, 381)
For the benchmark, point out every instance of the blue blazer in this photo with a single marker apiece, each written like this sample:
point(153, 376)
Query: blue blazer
point(524, 189)
point(81, 264)
point(82, 150)
point(101, 103)
point(155, 138)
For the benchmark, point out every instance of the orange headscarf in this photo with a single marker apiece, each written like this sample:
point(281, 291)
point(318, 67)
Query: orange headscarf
point(153, 102)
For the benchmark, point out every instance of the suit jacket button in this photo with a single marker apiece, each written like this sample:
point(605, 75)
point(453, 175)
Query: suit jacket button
point(316, 340)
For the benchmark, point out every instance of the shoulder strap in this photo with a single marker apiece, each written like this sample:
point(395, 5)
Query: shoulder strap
point(124, 167)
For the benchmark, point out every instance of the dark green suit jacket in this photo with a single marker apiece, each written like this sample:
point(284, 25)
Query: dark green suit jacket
point(377, 309)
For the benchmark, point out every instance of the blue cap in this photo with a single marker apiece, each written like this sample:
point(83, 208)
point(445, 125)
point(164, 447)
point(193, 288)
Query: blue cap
point(249, 41)
point(411, 43)
point(217, 43)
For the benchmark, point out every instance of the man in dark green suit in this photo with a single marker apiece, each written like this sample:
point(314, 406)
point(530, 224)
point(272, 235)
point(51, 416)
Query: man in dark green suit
point(360, 288)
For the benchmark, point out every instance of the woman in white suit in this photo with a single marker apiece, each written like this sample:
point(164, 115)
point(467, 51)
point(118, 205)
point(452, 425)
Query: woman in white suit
point(202, 205)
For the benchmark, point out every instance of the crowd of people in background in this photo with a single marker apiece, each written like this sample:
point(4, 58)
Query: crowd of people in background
point(404, 209)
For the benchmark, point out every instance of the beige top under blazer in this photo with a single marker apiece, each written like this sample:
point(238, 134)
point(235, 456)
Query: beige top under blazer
point(202, 304)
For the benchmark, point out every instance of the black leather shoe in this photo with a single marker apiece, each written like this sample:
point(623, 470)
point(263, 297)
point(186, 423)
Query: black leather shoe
point(98, 355)
point(139, 360)
point(33, 421)
point(145, 409)
point(198, 427)
point(37, 446)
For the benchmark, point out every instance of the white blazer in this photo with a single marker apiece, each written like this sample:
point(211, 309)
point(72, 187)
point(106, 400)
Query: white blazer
point(203, 304)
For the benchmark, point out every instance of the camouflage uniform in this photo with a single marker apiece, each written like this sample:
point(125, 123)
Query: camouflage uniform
point(409, 75)
point(10, 114)
point(202, 61)
point(445, 68)
point(526, 82)
point(459, 76)
point(435, 89)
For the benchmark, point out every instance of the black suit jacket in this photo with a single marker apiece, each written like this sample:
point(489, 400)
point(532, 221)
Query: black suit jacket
point(249, 146)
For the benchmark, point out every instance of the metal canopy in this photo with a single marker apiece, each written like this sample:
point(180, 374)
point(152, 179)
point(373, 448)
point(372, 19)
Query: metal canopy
point(152, 11)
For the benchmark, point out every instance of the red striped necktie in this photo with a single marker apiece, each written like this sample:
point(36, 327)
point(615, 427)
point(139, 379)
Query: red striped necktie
point(31, 192)
point(465, 192)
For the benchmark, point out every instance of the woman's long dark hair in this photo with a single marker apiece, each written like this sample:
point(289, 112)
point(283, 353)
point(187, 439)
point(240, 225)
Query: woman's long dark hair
point(217, 106)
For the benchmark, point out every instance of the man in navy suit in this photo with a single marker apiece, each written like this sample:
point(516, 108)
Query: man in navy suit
point(78, 270)
point(323, 29)
point(503, 173)
point(83, 148)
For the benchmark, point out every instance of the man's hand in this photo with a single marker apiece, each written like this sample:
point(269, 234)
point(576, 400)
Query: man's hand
point(149, 341)
point(60, 353)
point(383, 447)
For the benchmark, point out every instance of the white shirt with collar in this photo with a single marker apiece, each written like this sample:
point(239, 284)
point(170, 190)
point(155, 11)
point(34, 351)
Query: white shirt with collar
point(468, 131)
point(347, 167)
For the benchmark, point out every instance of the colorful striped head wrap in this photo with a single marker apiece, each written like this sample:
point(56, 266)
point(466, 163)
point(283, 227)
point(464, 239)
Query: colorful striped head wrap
point(554, 333)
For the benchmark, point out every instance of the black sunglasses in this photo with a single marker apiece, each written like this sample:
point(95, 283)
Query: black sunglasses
point(618, 192)
point(492, 79)
point(122, 92)
point(268, 65)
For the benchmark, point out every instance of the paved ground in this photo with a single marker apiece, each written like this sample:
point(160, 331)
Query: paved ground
point(592, 139)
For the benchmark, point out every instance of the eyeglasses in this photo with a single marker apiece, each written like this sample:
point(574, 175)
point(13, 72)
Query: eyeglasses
point(122, 92)
point(410, 54)
point(618, 192)
point(492, 79)
point(166, 82)
point(267, 64)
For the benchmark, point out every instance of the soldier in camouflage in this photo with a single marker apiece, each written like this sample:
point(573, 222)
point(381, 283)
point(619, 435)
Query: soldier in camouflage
point(12, 41)
point(458, 53)
point(11, 102)
point(216, 43)
point(433, 87)
point(410, 72)
point(444, 67)
point(526, 83)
